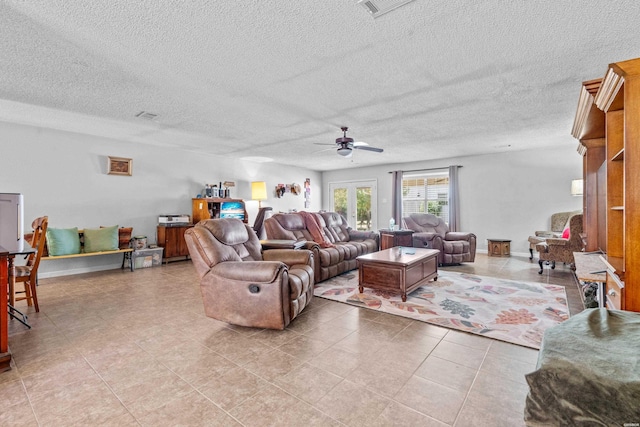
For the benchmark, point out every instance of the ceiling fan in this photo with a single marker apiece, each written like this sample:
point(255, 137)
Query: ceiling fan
point(346, 145)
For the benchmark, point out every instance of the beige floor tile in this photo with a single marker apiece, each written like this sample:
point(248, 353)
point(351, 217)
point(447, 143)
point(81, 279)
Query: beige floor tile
point(87, 402)
point(352, 404)
point(432, 399)
point(196, 368)
point(18, 415)
point(447, 373)
point(304, 347)
point(13, 393)
point(472, 415)
point(57, 376)
point(403, 357)
point(460, 354)
point(413, 340)
point(468, 340)
point(192, 409)
point(490, 390)
point(381, 376)
point(273, 407)
point(400, 415)
point(513, 352)
point(142, 388)
point(308, 383)
point(328, 334)
point(359, 343)
point(232, 388)
point(513, 370)
point(273, 364)
point(338, 361)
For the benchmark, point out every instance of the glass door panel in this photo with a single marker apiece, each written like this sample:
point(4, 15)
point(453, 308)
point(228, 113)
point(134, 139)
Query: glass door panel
point(357, 202)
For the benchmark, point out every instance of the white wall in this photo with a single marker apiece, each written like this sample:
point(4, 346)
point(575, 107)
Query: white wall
point(503, 196)
point(63, 175)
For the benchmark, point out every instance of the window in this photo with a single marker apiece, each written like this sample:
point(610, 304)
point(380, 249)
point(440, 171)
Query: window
point(426, 192)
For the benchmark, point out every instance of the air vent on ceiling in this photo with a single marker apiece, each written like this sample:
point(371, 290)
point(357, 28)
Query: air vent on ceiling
point(147, 116)
point(380, 7)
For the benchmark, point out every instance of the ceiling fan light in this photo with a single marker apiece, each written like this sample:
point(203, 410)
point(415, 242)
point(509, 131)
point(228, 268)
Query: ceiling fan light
point(344, 151)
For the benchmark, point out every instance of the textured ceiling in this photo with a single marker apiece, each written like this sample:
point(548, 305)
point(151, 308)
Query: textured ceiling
point(431, 79)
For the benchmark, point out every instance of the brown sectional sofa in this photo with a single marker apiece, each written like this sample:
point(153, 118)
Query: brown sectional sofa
point(348, 244)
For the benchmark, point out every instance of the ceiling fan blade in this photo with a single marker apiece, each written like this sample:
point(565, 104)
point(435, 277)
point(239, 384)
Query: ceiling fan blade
point(368, 148)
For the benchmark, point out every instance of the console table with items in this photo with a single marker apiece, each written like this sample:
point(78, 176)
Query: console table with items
point(392, 238)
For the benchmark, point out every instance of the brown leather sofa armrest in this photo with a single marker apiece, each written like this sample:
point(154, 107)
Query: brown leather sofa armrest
point(363, 235)
point(248, 271)
point(459, 235)
point(289, 256)
point(311, 245)
point(425, 236)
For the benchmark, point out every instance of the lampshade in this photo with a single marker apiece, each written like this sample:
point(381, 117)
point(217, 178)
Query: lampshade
point(577, 187)
point(259, 191)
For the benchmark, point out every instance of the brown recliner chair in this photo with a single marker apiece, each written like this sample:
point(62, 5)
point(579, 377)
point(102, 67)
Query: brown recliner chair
point(242, 285)
point(430, 231)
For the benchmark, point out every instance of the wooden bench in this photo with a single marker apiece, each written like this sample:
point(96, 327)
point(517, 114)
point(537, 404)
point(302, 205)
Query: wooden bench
point(126, 251)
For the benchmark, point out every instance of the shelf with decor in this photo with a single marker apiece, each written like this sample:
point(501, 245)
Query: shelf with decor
point(208, 208)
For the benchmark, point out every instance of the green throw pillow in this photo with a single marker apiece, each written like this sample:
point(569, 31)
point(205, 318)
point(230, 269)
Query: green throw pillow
point(63, 241)
point(101, 239)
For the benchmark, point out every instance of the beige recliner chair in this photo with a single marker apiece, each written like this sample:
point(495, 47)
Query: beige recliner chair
point(433, 233)
point(244, 286)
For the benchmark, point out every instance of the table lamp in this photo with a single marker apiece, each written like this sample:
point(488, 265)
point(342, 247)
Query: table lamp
point(259, 192)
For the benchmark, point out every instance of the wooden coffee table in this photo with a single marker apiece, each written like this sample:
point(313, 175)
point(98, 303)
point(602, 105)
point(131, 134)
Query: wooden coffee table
point(398, 269)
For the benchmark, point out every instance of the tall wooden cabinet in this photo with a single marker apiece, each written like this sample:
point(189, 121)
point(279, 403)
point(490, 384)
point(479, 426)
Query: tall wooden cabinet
point(613, 111)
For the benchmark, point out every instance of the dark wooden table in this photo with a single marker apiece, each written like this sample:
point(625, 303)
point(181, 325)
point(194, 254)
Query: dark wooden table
point(392, 238)
point(398, 269)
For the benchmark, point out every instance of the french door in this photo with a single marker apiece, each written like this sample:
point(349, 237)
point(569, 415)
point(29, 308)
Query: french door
point(357, 201)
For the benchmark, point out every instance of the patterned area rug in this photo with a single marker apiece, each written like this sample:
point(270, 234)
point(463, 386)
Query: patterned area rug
point(506, 310)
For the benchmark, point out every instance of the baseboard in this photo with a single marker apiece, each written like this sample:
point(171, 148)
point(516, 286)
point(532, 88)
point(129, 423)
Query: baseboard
point(70, 272)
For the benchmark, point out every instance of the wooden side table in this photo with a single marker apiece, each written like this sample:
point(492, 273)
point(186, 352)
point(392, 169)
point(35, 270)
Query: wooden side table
point(392, 238)
point(499, 247)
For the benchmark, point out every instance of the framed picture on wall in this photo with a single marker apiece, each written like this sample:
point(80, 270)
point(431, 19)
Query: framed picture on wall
point(119, 166)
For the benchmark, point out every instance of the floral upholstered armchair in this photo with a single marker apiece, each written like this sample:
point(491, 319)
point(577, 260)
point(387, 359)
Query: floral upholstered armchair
point(555, 249)
point(559, 222)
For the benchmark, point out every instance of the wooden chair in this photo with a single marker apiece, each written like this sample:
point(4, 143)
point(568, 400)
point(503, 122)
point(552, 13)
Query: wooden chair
point(28, 273)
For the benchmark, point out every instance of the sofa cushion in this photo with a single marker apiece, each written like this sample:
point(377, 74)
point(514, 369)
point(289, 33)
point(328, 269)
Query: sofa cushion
point(63, 241)
point(101, 239)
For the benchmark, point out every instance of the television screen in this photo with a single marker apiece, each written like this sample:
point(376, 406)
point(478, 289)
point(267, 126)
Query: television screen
point(232, 210)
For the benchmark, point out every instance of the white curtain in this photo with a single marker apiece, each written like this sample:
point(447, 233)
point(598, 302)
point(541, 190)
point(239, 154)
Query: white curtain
point(454, 199)
point(396, 197)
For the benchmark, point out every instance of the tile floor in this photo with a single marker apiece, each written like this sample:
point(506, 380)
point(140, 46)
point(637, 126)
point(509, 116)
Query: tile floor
point(121, 348)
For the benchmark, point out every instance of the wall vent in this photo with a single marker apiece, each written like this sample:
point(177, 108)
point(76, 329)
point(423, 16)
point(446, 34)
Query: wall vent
point(380, 7)
point(146, 115)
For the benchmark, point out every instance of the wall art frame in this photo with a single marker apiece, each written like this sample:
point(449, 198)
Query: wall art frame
point(119, 166)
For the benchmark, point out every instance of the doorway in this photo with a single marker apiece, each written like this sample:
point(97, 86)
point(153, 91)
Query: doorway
point(357, 201)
